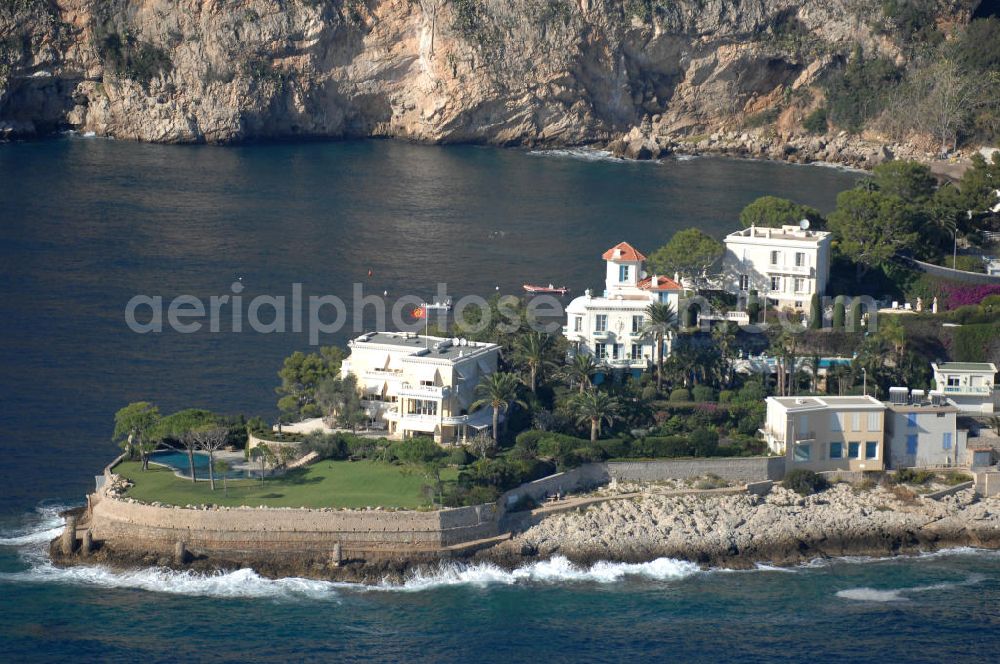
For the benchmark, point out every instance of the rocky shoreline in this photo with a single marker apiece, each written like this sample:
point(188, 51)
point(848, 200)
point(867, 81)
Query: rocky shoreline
point(736, 531)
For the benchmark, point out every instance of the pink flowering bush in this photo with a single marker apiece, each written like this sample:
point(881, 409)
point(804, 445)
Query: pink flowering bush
point(961, 295)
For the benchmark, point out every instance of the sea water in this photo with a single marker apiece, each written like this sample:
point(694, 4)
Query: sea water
point(87, 224)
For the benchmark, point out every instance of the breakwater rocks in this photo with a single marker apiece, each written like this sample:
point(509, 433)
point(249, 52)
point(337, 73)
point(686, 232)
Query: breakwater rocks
point(842, 149)
point(781, 528)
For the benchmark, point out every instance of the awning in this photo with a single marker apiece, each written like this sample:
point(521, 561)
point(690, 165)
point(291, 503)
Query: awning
point(482, 418)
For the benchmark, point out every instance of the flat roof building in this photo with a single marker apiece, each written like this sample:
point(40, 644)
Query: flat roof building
point(420, 385)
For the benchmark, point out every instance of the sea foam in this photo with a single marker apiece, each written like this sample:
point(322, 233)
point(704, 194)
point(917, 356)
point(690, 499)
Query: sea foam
point(557, 569)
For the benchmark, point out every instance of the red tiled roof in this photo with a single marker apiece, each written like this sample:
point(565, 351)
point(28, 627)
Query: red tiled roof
point(662, 283)
point(623, 251)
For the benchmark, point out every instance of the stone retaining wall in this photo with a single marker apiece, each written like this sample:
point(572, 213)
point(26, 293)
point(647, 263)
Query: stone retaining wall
point(155, 528)
point(585, 477)
point(253, 441)
point(734, 469)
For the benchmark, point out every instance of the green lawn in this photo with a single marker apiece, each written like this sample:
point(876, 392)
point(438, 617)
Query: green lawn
point(325, 484)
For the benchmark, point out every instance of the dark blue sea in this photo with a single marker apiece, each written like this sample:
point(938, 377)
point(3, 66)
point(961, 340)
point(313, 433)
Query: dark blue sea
point(85, 225)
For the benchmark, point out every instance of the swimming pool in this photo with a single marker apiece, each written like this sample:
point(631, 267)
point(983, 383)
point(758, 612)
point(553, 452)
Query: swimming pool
point(178, 460)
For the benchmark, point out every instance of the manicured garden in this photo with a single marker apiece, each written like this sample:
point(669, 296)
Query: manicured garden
point(343, 484)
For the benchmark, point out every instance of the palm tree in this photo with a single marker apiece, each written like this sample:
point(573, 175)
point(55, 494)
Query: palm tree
point(532, 349)
point(596, 407)
point(497, 390)
point(579, 370)
point(724, 339)
point(661, 320)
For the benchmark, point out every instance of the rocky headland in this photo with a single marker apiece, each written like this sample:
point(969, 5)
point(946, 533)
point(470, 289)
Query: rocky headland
point(642, 77)
point(780, 528)
point(728, 530)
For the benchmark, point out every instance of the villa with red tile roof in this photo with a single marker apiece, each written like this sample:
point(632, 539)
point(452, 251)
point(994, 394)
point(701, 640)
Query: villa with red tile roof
point(609, 326)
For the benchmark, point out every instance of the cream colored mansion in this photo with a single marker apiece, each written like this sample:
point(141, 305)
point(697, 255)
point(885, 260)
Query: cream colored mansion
point(414, 385)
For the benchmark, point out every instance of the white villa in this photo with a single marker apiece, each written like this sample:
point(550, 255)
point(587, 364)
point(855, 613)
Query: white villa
point(609, 327)
point(966, 385)
point(415, 385)
point(785, 265)
point(922, 431)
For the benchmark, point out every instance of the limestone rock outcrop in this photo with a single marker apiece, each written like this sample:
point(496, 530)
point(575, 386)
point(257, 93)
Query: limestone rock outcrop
point(525, 72)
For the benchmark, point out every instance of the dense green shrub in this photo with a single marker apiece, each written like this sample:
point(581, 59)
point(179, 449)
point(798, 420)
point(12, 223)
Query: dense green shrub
point(703, 393)
point(816, 122)
point(417, 450)
point(327, 446)
point(839, 312)
point(913, 476)
point(972, 343)
point(726, 396)
point(804, 482)
point(861, 91)
point(704, 442)
point(680, 394)
point(459, 456)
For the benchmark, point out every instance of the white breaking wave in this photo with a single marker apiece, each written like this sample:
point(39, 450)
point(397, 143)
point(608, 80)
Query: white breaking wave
point(554, 570)
point(41, 527)
point(585, 154)
point(239, 584)
point(866, 594)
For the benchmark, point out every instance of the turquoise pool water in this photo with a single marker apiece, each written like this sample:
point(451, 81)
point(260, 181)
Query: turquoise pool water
point(178, 460)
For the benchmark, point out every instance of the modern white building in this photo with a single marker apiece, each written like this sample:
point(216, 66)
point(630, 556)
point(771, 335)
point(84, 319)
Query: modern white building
point(827, 433)
point(784, 265)
point(415, 385)
point(966, 385)
point(922, 432)
point(609, 326)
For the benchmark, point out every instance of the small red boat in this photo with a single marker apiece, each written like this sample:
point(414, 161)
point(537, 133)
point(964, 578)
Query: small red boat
point(555, 290)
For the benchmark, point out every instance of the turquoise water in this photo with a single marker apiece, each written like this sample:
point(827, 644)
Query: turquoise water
point(179, 461)
point(87, 224)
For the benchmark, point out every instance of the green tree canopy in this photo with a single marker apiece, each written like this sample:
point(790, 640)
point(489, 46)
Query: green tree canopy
point(690, 252)
point(774, 212)
point(340, 400)
point(135, 429)
point(871, 227)
point(909, 180)
point(301, 374)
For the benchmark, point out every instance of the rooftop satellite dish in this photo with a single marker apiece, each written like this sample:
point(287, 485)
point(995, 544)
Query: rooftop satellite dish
point(804, 224)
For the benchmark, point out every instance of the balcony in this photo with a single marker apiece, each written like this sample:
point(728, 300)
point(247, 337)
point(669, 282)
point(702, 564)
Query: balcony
point(978, 390)
point(799, 270)
point(805, 437)
point(423, 391)
point(601, 334)
point(383, 374)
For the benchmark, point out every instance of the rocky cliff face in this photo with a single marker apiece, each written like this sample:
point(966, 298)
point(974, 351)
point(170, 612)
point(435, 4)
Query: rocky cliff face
point(493, 71)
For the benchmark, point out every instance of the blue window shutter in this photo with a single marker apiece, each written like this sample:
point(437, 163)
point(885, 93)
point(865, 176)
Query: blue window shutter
point(911, 419)
point(946, 441)
point(911, 444)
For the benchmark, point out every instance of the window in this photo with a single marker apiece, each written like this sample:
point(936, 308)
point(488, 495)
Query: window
point(601, 323)
point(946, 441)
point(911, 444)
point(854, 450)
point(637, 322)
point(577, 323)
point(800, 259)
point(800, 285)
point(775, 257)
point(623, 272)
point(776, 283)
point(744, 282)
point(836, 450)
point(874, 421)
point(798, 304)
point(871, 449)
point(953, 381)
point(855, 421)
point(601, 351)
point(636, 351)
point(911, 420)
point(421, 407)
point(802, 453)
point(836, 421)
point(616, 351)
point(427, 383)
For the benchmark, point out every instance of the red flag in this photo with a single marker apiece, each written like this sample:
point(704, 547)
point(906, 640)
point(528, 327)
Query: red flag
point(419, 312)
